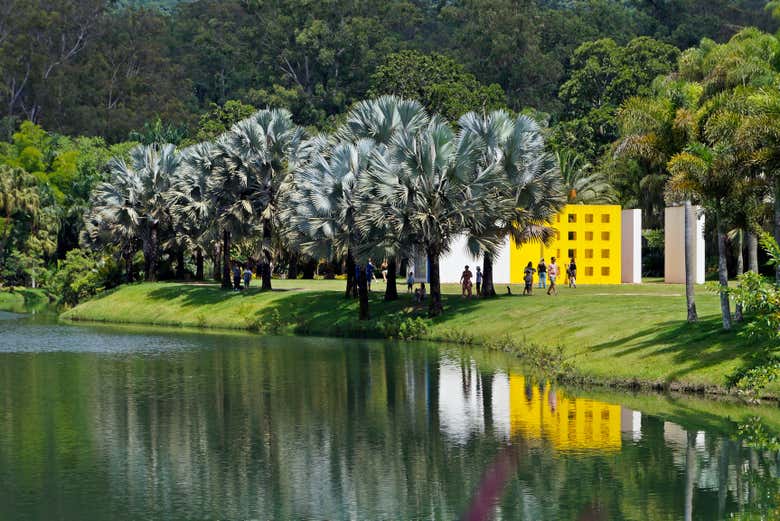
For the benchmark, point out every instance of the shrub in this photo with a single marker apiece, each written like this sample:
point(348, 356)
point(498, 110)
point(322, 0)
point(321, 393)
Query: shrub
point(760, 298)
point(409, 328)
point(80, 276)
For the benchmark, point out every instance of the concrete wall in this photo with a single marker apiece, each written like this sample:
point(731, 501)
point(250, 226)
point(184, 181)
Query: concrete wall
point(674, 245)
point(451, 265)
point(631, 247)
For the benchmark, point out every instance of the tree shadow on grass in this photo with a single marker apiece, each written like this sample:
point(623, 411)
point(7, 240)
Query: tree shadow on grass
point(200, 295)
point(693, 347)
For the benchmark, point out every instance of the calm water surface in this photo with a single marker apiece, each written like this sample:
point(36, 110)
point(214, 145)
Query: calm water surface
point(100, 423)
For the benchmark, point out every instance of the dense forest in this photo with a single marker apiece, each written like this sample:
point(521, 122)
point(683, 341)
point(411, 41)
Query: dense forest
point(103, 68)
point(624, 93)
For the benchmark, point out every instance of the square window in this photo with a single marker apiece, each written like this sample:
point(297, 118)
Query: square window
point(572, 236)
point(558, 218)
point(605, 271)
point(588, 236)
point(572, 218)
point(604, 254)
point(588, 217)
point(557, 235)
point(604, 236)
point(588, 254)
point(558, 253)
point(588, 271)
point(572, 254)
point(605, 218)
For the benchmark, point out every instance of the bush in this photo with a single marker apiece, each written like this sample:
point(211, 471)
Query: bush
point(760, 298)
point(409, 328)
point(80, 276)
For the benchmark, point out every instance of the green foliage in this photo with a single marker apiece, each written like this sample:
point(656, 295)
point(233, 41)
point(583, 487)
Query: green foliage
point(655, 238)
point(80, 276)
point(760, 298)
point(403, 328)
point(751, 382)
point(755, 434)
point(220, 118)
point(440, 83)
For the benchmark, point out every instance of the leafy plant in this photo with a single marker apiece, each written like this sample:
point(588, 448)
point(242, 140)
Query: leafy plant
point(409, 328)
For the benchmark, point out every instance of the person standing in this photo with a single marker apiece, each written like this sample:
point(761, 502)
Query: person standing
point(479, 281)
point(383, 267)
point(528, 278)
point(465, 283)
point(247, 277)
point(410, 281)
point(552, 272)
point(541, 268)
point(369, 273)
point(572, 274)
point(236, 277)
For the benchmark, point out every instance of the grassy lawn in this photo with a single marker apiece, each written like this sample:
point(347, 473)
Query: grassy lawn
point(22, 299)
point(609, 333)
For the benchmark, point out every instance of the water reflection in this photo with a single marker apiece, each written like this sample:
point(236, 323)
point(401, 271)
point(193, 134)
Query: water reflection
point(237, 427)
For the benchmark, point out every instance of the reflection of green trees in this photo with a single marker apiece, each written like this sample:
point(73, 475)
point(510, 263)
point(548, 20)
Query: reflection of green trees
point(318, 428)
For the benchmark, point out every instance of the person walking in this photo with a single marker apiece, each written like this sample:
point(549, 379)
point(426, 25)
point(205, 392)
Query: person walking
point(369, 273)
point(528, 278)
point(552, 272)
point(479, 281)
point(465, 283)
point(572, 274)
point(247, 277)
point(541, 268)
point(236, 277)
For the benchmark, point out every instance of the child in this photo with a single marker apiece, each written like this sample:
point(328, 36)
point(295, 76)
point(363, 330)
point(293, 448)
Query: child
point(422, 291)
point(479, 281)
point(528, 278)
point(410, 282)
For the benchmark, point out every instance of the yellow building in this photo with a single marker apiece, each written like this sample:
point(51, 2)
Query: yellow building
point(591, 234)
point(570, 424)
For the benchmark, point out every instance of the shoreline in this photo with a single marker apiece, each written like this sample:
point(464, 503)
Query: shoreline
point(616, 351)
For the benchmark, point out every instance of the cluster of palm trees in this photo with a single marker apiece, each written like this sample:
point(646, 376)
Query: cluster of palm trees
point(392, 182)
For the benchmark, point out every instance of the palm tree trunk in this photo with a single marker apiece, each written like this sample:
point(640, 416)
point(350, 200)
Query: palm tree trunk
point(266, 285)
point(690, 262)
point(690, 474)
point(723, 275)
point(180, 263)
point(351, 282)
point(150, 254)
point(752, 248)
point(198, 264)
point(488, 288)
point(217, 262)
point(226, 260)
point(391, 291)
point(292, 270)
point(435, 307)
point(739, 247)
point(128, 255)
point(362, 283)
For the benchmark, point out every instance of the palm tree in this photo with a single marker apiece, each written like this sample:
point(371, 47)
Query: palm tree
point(707, 172)
point(581, 184)
point(189, 201)
point(132, 205)
point(532, 183)
point(18, 196)
point(380, 120)
point(653, 130)
point(429, 186)
point(256, 155)
point(325, 205)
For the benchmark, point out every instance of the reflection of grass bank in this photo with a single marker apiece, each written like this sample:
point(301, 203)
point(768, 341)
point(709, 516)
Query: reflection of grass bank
point(622, 334)
point(19, 300)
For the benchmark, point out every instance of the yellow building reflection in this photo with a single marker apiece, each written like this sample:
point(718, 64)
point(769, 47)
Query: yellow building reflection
point(571, 424)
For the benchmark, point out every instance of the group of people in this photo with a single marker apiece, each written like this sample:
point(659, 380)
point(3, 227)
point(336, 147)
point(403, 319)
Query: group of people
point(241, 272)
point(550, 271)
point(466, 284)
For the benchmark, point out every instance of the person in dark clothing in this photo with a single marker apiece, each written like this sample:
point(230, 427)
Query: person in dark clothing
point(541, 268)
point(236, 277)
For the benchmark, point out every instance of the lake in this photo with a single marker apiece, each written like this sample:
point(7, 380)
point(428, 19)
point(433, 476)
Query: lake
point(124, 423)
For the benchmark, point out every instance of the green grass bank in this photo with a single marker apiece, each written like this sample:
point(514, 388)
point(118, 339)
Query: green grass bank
point(619, 335)
point(21, 300)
